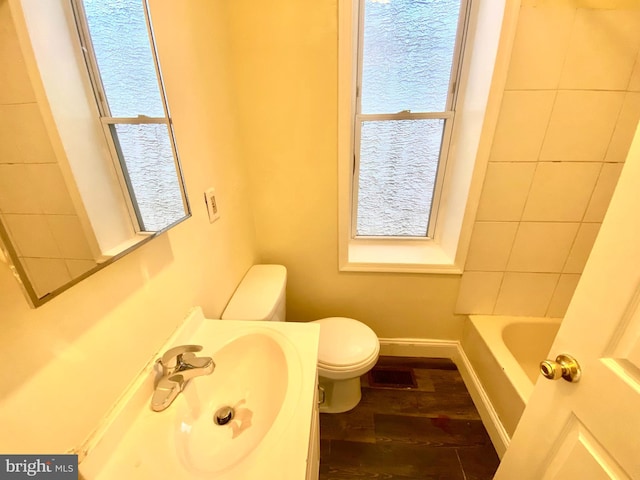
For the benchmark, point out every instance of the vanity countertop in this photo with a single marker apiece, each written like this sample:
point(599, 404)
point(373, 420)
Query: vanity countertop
point(135, 442)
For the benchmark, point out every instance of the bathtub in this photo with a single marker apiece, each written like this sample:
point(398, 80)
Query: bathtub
point(504, 353)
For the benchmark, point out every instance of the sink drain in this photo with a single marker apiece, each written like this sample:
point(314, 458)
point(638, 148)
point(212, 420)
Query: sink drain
point(223, 416)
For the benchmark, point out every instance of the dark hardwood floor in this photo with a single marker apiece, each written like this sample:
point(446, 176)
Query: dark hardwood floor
point(429, 432)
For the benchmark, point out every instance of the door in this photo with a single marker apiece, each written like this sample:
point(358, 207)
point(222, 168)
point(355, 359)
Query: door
point(591, 429)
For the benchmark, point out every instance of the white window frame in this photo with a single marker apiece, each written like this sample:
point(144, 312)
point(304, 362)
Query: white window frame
point(66, 101)
point(481, 81)
point(49, 40)
point(107, 121)
point(448, 115)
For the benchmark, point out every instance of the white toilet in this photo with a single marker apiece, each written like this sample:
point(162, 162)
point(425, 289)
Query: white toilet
point(347, 350)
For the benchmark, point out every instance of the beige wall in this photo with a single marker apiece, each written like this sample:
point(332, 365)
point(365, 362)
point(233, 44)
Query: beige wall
point(569, 110)
point(285, 68)
point(67, 362)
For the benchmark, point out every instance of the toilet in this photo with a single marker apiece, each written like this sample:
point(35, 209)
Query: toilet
point(347, 349)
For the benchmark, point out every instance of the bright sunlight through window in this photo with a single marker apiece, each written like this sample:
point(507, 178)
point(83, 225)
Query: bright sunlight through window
point(121, 58)
point(409, 54)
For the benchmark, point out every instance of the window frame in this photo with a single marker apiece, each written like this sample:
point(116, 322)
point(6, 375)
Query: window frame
point(448, 116)
point(490, 36)
point(108, 122)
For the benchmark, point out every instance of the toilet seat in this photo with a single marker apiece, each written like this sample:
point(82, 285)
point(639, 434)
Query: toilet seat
point(348, 348)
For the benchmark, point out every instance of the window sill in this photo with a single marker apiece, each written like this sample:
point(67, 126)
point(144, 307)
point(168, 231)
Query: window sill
point(400, 256)
point(125, 246)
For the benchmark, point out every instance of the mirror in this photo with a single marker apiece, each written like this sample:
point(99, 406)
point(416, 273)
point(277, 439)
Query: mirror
point(89, 169)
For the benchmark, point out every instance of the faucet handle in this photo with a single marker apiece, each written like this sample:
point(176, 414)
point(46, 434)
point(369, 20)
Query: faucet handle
point(170, 357)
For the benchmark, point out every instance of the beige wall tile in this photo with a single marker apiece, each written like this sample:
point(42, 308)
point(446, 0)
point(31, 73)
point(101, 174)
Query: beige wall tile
point(625, 128)
point(490, 245)
point(542, 39)
point(603, 191)
point(541, 247)
point(505, 190)
point(17, 194)
point(602, 51)
point(581, 125)
point(9, 152)
point(32, 136)
point(478, 292)
point(562, 295)
point(79, 267)
point(634, 82)
point(23, 136)
point(31, 236)
point(69, 236)
point(51, 189)
point(525, 294)
point(523, 120)
point(15, 85)
point(46, 274)
point(581, 248)
point(560, 191)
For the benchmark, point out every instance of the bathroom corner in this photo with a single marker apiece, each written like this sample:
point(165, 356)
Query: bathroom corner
point(78, 352)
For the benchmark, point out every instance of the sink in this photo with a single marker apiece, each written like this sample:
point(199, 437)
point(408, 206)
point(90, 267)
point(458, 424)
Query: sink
point(265, 373)
point(251, 377)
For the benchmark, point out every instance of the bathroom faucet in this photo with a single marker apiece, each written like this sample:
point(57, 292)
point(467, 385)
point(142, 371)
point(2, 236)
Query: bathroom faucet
point(179, 365)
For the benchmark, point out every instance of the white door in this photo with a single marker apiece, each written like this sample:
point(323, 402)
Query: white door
point(591, 429)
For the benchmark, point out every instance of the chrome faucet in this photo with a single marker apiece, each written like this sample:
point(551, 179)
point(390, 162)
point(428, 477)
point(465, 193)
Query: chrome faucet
point(179, 365)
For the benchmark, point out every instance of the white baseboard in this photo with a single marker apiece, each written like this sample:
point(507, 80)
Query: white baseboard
point(422, 347)
point(418, 347)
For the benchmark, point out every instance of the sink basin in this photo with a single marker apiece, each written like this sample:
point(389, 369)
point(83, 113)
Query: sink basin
point(251, 377)
point(265, 372)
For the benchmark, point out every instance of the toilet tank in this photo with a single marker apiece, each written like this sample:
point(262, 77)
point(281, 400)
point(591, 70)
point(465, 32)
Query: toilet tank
point(261, 295)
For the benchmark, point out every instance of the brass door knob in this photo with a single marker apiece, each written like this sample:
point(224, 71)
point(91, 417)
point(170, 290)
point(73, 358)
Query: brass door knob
point(565, 367)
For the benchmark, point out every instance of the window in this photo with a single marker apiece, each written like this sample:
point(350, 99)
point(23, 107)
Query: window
point(415, 122)
point(409, 55)
point(120, 55)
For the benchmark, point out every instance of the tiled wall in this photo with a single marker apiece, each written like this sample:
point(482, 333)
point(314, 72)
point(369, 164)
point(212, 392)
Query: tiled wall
point(569, 111)
point(35, 206)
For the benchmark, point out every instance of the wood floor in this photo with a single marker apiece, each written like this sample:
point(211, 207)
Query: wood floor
point(429, 432)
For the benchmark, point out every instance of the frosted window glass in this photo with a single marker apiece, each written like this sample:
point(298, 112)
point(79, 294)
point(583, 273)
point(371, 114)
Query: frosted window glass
point(148, 162)
point(119, 35)
point(408, 54)
point(398, 166)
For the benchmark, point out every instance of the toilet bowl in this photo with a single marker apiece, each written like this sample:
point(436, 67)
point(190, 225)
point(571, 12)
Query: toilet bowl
point(347, 348)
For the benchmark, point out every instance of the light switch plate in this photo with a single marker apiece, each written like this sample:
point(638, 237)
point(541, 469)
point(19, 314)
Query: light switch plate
point(212, 205)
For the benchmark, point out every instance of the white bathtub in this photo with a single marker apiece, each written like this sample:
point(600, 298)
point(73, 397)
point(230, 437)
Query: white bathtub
point(504, 353)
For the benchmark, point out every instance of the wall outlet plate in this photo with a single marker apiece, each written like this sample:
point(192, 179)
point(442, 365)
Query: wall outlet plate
point(212, 205)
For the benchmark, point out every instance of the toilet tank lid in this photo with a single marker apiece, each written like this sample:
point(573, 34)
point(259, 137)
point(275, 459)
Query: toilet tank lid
point(258, 294)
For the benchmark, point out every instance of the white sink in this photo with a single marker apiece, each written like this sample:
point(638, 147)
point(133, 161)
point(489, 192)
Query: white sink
point(251, 377)
point(265, 371)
